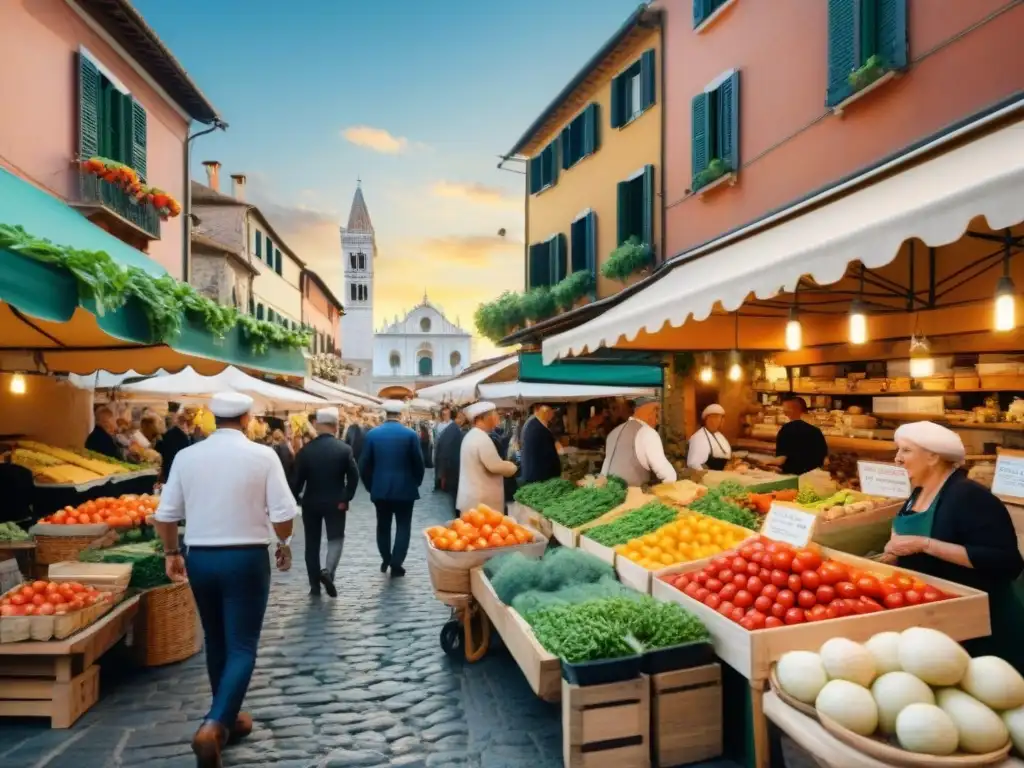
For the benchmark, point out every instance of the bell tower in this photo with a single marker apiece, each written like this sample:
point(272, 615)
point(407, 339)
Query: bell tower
point(358, 248)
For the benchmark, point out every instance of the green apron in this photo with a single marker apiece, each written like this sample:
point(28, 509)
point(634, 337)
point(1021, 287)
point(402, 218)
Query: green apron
point(1005, 603)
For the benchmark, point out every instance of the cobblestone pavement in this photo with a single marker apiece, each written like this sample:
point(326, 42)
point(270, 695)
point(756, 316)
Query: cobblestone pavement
point(357, 681)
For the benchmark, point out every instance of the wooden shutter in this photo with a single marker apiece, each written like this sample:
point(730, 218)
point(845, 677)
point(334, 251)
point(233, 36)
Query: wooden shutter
point(647, 223)
point(557, 254)
point(553, 149)
point(648, 80)
point(842, 49)
point(139, 128)
point(537, 265)
point(88, 109)
point(591, 129)
point(616, 116)
point(533, 173)
point(568, 152)
point(622, 213)
point(728, 127)
point(892, 33)
point(591, 229)
point(700, 11)
point(259, 244)
point(700, 135)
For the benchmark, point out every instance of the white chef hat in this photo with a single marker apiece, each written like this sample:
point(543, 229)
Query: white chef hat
point(935, 438)
point(476, 410)
point(230, 405)
point(393, 406)
point(327, 416)
point(712, 410)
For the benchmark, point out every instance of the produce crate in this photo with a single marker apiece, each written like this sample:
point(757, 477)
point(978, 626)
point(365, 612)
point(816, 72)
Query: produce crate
point(107, 574)
point(607, 726)
point(962, 617)
point(600, 551)
point(567, 537)
point(542, 670)
point(858, 534)
point(686, 715)
point(755, 481)
point(449, 571)
point(536, 520)
point(17, 629)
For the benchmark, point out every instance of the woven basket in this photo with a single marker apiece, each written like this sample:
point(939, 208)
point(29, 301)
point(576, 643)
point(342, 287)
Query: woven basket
point(59, 549)
point(167, 626)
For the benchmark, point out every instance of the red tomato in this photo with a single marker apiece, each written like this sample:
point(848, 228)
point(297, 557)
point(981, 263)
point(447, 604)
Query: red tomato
point(738, 564)
point(764, 575)
point(38, 599)
point(46, 609)
point(18, 599)
point(740, 580)
point(931, 595)
point(713, 584)
point(747, 551)
point(795, 616)
point(701, 578)
point(756, 557)
point(794, 583)
point(913, 597)
point(737, 614)
point(868, 585)
point(770, 591)
point(841, 608)
point(773, 621)
point(8, 610)
point(728, 592)
point(832, 572)
point(786, 598)
point(702, 594)
point(726, 608)
point(725, 575)
point(758, 619)
point(783, 560)
point(30, 610)
point(58, 599)
point(743, 599)
point(691, 589)
point(825, 594)
point(755, 586)
point(817, 613)
point(779, 610)
point(847, 590)
point(901, 581)
point(809, 560)
point(712, 601)
point(890, 589)
point(753, 569)
point(806, 599)
point(871, 605)
point(747, 623)
point(895, 600)
point(39, 586)
point(764, 604)
point(779, 578)
point(28, 593)
point(681, 582)
point(720, 562)
point(810, 579)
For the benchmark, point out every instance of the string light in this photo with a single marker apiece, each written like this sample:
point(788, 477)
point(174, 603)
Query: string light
point(794, 332)
point(735, 372)
point(922, 365)
point(707, 374)
point(17, 384)
point(1006, 305)
point(858, 323)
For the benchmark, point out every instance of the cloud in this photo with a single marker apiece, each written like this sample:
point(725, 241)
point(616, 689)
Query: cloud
point(473, 192)
point(462, 251)
point(377, 139)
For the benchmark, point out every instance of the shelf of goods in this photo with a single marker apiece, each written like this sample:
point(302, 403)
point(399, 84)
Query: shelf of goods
point(959, 611)
point(914, 698)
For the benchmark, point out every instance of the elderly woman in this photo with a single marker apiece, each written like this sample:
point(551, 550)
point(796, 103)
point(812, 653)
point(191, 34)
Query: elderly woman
point(955, 529)
point(708, 448)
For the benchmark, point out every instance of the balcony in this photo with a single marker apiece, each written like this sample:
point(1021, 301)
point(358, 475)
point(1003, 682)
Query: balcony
point(104, 202)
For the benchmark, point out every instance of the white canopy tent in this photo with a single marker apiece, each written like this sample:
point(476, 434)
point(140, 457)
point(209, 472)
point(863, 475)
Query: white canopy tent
point(509, 394)
point(933, 201)
point(463, 389)
point(422, 406)
point(339, 394)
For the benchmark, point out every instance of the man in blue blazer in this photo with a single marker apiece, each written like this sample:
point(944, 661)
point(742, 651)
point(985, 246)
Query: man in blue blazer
point(391, 467)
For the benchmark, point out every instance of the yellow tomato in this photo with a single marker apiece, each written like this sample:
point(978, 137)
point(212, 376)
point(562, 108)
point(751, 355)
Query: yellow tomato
point(703, 525)
point(668, 559)
point(704, 538)
point(650, 539)
point(666, 542)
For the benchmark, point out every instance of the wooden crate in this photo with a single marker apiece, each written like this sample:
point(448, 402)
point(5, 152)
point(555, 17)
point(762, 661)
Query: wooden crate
point(600, 551)
point(607, 726)
point(686, 715)
point(542, 670)
point(536, 520)
point(963, 617)
point(633, 574)
point(567, 537)
point(17, 629)
point(110, 574)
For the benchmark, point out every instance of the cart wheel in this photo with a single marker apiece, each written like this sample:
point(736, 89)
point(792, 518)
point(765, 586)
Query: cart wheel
point(451, 638)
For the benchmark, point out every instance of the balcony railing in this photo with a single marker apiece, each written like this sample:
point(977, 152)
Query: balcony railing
point(95, 191)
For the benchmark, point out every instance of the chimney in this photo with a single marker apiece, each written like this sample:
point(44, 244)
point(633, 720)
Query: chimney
point(212, 174)
point(238, 186)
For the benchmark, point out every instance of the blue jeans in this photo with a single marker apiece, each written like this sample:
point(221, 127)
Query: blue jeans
point(231, 587)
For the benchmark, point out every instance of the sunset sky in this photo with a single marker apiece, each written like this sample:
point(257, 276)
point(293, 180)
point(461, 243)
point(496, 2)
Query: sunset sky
point(416, 99)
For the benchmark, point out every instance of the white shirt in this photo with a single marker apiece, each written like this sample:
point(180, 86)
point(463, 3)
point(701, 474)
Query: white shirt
point(649, 452)
point(704, 445)
point(225, 489)
point(481, 473)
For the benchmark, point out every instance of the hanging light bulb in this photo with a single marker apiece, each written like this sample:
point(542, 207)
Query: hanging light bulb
point(707, 374)
point(858, 323)
point(1006, 305)
point(794, 332)
point(735, 372)
point(922, 365)
point(17, 384)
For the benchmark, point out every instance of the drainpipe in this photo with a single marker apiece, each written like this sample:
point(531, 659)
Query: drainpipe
point(186, 248)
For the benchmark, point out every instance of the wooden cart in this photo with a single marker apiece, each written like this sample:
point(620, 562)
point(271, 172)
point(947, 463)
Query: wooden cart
point(59, 679)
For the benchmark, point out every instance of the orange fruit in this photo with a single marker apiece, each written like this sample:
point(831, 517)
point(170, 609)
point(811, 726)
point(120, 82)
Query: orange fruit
point(486, 530)
point(459, 545)
point(502, 530)
point(495, 540)
point(451, 535)
point(494, 517)
point(511, 541)
point(481, 543)
point(442, 543)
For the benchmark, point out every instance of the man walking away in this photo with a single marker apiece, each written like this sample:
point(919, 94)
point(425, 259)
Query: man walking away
point(449, 445)
point(481, 469)
point(225, 488)
point(439, 428)
point(355, 436)
point(326, 477)
point(392, 470)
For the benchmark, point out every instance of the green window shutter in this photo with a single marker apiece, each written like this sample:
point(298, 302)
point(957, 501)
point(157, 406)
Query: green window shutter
point(557, 254)
point(647, 225)
point(892, 33)
point(538, 265)
point(591, 225)
point(567, 149)
point(616, 102)
point(277, 261)
point(648, 80)
point(125, 127)
point(591, 129)
point(728, 127)
point(700, 134)
point(138, 134)
point(259, 244)
point(842, 49)
point(534, 173)
point(701, 10)
point(259, 311)
point(621, 213)
point(867, 30)
point(553, 149)
point(88, 109)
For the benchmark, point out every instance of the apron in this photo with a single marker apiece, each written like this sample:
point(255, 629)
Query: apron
point(1005, 603)
point(716, 463)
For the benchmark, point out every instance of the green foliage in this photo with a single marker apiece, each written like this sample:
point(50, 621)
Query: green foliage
point(165, 301)
point(496, 319)
point(628, 259)
point(647, 519)
point(539, 495)
point(538, 304)
point(536, 599)
point(716, 169)
point(573, 288)
point(514, 574)
point(584, 505)
point(714, 504)
point(867, 73)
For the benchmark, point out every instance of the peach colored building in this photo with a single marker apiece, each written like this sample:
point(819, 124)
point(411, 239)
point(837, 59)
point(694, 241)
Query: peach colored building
point(101, 84)
point(322, 312)
point(954, 59)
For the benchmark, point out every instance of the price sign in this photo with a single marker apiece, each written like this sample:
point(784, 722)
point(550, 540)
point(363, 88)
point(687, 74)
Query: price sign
point(879, 479)
point(789, 525)
point(1009, 478)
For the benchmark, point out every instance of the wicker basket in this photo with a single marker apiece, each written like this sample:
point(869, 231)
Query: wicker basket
point(60, 549)
point(167, 626)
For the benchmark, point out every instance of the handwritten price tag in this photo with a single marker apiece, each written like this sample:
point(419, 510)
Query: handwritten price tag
point(789, 525)
point(879, 479)
point(1009, 479)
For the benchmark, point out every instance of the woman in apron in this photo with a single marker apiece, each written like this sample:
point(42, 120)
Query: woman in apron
point(955, 529)
point(708, 448)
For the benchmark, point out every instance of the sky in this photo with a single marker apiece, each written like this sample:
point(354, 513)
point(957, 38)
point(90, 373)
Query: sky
point(417, 99)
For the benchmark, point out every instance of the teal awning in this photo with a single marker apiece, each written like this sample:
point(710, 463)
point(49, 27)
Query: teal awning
point(43, 315)
point(618, 372)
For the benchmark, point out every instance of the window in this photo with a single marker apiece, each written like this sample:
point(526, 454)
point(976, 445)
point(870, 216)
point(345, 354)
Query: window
point(358, 292)
point(362, 260)
point(426, 365)
point(252, 306)
point(111, 123)
point(580, 138)
point(352, 291)
point(634, 90)
point(636, 207)
point(364, 292)
point(259, 311)
point(259, 244)
point(543, 169)
point(705, 9)
point(455, 360)
point(547, 262)
point(352, 261)
point(866, 39)
point(425, 325)
point(715, 136)
point(277, 261)
point(583, 244)
point(395, 361)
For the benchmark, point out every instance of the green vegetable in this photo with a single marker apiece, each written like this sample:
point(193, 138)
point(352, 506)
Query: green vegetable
point(539, 495)
point(647, 519)
point(514, 574)
point(146, 559)
point(86, 453)
point(585, 505)
point(838, 499)
point(12, 532)
point(807, 496)
point(713, 504)
point(535, 599)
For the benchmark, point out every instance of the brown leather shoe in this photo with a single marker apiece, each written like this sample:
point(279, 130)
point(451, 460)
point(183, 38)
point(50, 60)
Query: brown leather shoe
point(241, 728)
point(207, 744)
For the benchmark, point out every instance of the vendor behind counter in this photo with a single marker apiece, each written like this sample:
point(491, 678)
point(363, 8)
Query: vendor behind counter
point(799, 446)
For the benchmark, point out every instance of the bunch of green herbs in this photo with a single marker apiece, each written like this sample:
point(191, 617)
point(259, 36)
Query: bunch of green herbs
point(585, 505)
point(146, 559)
point(539, 495)
point(715, 504)
point(646, 519)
